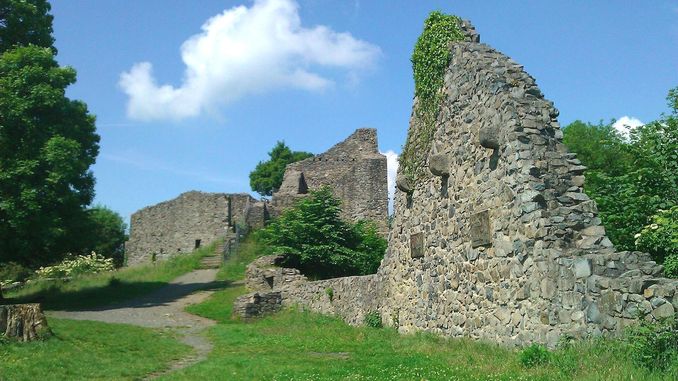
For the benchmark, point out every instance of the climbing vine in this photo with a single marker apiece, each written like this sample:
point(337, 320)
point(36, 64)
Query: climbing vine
point(430, 58)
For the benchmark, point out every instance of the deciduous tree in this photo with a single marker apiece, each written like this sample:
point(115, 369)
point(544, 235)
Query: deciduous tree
point(267, 176)
point(47, 144)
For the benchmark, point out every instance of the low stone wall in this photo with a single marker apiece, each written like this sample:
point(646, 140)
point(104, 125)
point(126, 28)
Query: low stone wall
point(349, 298)
point(274, 287)
point(257, 304)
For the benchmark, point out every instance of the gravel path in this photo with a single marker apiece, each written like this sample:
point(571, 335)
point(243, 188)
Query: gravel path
point(163, 308)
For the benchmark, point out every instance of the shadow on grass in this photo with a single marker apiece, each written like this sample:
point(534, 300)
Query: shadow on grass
point(123, 294)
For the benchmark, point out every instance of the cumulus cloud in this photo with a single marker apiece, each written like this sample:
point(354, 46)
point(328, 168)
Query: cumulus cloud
point(392, 165)
point(625, 124)
point(245, 51)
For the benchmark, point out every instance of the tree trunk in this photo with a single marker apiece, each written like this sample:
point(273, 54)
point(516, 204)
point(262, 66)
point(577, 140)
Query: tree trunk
point(23, 322)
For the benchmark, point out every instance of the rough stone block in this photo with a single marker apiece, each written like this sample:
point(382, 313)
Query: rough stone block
point(439, 165)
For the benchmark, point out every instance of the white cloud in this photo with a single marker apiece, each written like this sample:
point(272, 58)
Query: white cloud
point(245, 51)
point(392, 165)
point(625, 124)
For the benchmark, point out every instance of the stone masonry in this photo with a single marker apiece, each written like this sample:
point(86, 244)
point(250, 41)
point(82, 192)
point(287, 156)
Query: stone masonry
point(499, 241)
point(354, 169)
point(187, 222)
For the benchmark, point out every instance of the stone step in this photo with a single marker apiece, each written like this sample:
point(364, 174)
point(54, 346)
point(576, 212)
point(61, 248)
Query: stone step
point(211, 262)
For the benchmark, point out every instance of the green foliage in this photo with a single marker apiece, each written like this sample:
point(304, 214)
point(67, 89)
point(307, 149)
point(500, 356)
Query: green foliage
point(630, 179)
point(654, 345)
point(106, 234)
point(535, 354)
point(660, 238)
point(373, 319)
point(25, 22)
point(318, 242)
point(267, 176)
point(599, 147)
point(330, 293)
point(671, 266)
point(430, 58)
point(47, 144)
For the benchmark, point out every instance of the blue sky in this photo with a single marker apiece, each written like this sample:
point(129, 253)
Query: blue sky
point(191, 95)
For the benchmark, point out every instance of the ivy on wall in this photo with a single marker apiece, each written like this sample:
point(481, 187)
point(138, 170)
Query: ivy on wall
point(429, 60)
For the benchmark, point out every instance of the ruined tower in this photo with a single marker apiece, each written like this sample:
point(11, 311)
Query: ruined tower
point(354, 169)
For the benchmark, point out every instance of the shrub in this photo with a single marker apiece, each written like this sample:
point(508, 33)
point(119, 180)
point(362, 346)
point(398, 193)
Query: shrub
point(314, 239)
point(535, 354)
point(330, 293)
point(77, 265)
point(654, 345)
point(660, 239)
point(373, 319)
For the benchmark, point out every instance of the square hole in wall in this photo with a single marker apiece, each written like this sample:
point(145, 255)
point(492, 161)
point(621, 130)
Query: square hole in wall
point(197, 244)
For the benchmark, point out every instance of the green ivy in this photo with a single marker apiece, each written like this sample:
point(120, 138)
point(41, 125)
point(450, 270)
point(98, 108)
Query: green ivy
point(429, 60)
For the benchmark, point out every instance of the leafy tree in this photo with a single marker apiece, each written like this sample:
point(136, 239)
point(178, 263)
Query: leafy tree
point(25, 22)
point(598, 146)
point(106, 234)
point(267, 176)
point(47, 144)
point(319, 243)
point(629, 180)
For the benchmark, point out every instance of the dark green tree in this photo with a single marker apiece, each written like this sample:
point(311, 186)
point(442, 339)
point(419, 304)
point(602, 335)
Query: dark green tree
point(25, 22)
point(318, 242)
point(106, 233)
point(267, 176)
point(598, 146)
point(47, 144)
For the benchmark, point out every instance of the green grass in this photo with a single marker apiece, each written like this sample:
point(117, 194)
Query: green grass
point(85, 350)
point(297, 345)
point(105, 288)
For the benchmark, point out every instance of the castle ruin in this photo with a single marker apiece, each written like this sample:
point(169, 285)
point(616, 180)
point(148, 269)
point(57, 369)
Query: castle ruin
point(354, 169)
point(497, 241)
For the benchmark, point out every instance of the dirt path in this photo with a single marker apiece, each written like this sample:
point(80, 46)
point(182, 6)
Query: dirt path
point(163, 308)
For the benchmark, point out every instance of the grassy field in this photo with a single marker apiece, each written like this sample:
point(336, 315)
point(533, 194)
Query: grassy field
point(295, 345)
point(110, 287)
point(86, 350)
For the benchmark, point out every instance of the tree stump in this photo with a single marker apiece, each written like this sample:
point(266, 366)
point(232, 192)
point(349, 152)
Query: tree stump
point(23, 322)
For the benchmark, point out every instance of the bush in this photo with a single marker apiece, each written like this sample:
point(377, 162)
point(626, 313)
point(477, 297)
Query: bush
point(373, 319)
point(660, 239)
point(77, 265)
point(654, 345)
point(314, 239)
point(535, 354)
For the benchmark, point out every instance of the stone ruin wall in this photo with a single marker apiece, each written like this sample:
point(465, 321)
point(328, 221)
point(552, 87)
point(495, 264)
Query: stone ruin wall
point(356, 172)
point(501, 243)
point(172, 227)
